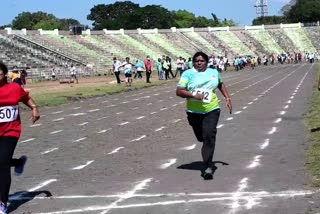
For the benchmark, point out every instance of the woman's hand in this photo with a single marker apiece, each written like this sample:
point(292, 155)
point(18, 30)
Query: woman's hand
point(229, 105)
point(198, 96)
point(35, 115)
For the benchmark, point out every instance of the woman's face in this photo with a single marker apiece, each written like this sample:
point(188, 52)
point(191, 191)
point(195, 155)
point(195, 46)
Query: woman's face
point(200, 63)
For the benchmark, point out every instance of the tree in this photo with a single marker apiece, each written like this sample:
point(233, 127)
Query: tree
point(65, 24)
point(154, 16)
point(304, 11)
point(269, 20)
point(184, 19)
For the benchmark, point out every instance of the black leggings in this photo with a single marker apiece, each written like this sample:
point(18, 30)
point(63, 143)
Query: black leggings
point(7, 147)
point(205, 129)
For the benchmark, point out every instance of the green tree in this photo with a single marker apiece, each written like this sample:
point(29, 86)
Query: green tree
point(269, 20)
point(304, 11)
point(154, 16)
point(184, 19)
point(65, 24)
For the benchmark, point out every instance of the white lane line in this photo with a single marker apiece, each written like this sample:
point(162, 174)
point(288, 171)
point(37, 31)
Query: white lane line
point(160, 100)
point(106, 101)
point(43, 184)
point(35, 125)
point(83, 166)
point(27, 140)
point(272, 131)
point(289, 101)
point(256, 99)
point(287, 106)
point(159, 129)
point(154, 112)
point(243, 184)
point(55, 132)
point(294, 94)
point(112, 105)
point(237, 112)
point(135, 108)
point(82, 124)
point(140, 186)
point(58, 119)
point(174, 105)
point(149, 104)
point(163, 109)
point(49, 151)
point(124, 102)
point(229, 118)
point(57, 112)
point(137, 99)
point(220, 126)
point(75, 108)
point(265, 144)
point(93, 110)
point(77, 114)
point(104, 131)
point(139, 118)
point(292, 97)
point(188, 148)
point(156, 94)
point(244, 107)
point(169, 163)
point(139, 138)
point(116, 150)
point(181, 102)
point(119, 113)
point(255, 162)
point(282, 112)
point(177, 120)
point(146, 97)
point(101, 118)
point(250, 103)
point(278, 120)
point(79, 140)
point(124, 123)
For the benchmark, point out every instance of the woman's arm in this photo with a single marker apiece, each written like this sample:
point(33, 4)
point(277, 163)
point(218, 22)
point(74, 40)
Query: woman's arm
point(226, 95)
point(184, 93)
point(35, 112)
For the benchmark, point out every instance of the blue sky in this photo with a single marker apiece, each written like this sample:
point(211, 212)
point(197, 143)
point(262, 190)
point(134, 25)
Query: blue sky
point(241, 11)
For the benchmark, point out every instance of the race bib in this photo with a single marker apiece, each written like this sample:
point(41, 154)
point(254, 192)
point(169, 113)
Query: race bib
point(9, 113)
point(207, 94)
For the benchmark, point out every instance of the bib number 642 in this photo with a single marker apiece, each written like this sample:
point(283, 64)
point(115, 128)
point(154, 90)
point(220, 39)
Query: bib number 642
point(207, 95)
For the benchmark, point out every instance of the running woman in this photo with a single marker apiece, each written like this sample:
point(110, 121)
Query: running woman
point(10, 129)
point(198, 85)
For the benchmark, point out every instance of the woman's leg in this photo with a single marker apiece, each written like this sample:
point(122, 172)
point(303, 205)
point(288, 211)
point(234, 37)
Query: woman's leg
point(7, 147)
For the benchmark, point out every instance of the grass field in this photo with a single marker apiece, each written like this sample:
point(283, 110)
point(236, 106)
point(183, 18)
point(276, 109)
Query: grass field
point(313, 124)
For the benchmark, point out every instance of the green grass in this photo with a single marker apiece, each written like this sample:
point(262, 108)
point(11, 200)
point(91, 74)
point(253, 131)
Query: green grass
point(312, 121)
point(82, 92)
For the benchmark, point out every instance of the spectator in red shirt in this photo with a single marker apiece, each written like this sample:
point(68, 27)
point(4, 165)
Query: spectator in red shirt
point(10, 130)
point(148, 66)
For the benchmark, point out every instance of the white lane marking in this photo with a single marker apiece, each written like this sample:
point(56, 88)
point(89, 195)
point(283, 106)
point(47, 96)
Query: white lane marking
point(27, 140)
point(119, 113)
point(278, 120)
point(116, 150)
point(153, 112)
point(103, 131)
point(282, 112)
point(289, 101)
point(106, 101)
point(124, 102)
point(124, 123)
point(79, 140)
point(291, 97)
point(244, 107)
point(256, 99)
point(112, 105)
point(265, 144)
point(250, 103)
point(57, 112)
point(245, 196)
point(82, 124)
point(140, 186)
point(169, 163)
point(237, 112)
point(83, 166)
point(116, 99)
point(229, 118)
point(35, 125)
point(43, 184)
point(146, 97)
point(137, 99)
point(255, 162)
point(287, 106)
point(232, 94)
point(55, 132)
point(243, 184)
point(139, 138)
point(160, 100)
point(177, 120)
point(163, 109)
point(58, 119)
point(174, 105)
point(220, 126)
point(296, 90)
point(139, 118)
point(77, 114)
point(181, 102)
point(149, 104)
point(159, 129)
point(188, 148)
point(135, 108)
point(101, 118)
point(75, 108)
point(94, 110)
point(272, 131)
point(49, 151)
point(156, 94)
point(294, 94)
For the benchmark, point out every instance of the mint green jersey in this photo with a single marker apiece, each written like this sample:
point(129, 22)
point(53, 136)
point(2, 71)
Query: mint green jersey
point(201, 82)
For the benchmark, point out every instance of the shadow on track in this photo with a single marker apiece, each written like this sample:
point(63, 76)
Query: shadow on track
point(198, 165)
point(19, 198)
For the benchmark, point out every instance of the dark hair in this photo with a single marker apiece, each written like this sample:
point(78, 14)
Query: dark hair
point(200, 53)
point(4, 69)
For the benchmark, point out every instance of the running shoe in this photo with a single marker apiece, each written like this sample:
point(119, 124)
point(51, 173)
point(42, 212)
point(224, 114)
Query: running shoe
point(3, 208)
point(19, 169)
point(208, 174)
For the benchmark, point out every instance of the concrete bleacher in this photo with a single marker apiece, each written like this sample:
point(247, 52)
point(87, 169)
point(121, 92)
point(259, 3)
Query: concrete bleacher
point(92, 52)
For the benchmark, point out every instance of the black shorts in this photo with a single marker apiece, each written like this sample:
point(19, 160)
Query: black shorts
point(128, 75)
point(18, 80)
